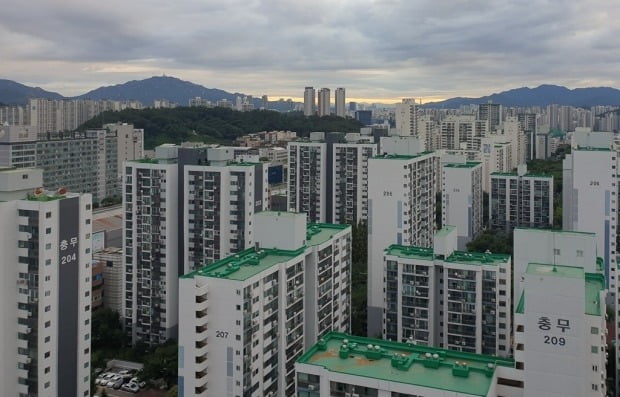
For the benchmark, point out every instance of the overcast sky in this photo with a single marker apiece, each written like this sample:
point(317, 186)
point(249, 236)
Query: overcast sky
point(376, 49)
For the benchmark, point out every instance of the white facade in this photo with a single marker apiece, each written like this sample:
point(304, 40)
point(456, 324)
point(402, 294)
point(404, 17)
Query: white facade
point(461, 199)
point(46, 258)
point(407, 118)
point(560, 341)
point(129, 143)
point(221, 201)
point(446, 298)
point(246, 319)
point(150, 248)
point(401, 210)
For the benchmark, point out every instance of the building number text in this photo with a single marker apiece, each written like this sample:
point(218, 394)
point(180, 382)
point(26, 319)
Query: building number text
point(221, 334)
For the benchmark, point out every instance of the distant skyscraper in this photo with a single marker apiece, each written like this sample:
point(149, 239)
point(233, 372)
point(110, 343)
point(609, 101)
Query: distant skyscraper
point(491, 112)
point(265, 102)
point(309, 101)
point(364, 116)
point(407, 117)
point(352, 106)
point(324, 102)
point(340, 101)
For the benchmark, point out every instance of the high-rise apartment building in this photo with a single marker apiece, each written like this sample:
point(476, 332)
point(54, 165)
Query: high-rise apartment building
point(407, 117)
point(46, 285)
point(309, 101)
point(442, 297)
point(462, 132)
point(129, 143)
point(589, 200)
point(402, 191)
point(346, 365)
point(246, 319)
point(520, 200)
point(328, 177)
point(324, 103)
point(150, 246)
point(220, 200)
point(340, 102)
point(492, 113)
point(461, 199)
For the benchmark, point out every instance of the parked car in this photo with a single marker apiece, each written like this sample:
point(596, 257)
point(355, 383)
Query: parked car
point(113, 380)
point(131, 387)
point(103, 379)
point(117, 385)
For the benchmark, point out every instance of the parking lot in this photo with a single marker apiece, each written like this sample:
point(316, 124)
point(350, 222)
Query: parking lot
point(142, 393)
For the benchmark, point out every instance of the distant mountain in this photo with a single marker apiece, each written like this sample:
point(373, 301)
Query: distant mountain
point(13, 93)
point(159, 87)
point(540, 96)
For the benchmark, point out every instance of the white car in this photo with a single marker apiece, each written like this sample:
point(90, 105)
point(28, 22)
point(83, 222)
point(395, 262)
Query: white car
point(131, 387)
point(103, 379)
point(111, 382)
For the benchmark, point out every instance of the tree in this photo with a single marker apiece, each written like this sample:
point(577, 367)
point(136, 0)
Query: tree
point(359, 278)
point(162, 363)
point(173, 392)
point(107, 330)
point(495, 242)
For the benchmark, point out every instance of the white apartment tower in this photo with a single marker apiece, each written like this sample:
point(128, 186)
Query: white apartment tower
point(309, 101)
point(220, 202)
point(589, 197)
point(246, 319)
point(461, 199)
point(150, 246)
point(307, 179)
point(324, 102)
point(446, 298)
point(402, 191)
point(130, 143)
point(520, 200)
point(46, 282)
point(340, 102)
point(560, 332)
point(407, 117)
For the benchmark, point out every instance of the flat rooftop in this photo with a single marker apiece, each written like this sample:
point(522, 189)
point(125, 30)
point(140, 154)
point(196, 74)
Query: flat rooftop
point(528, 175)
point(594, 284)
point(405, 363)
point(462, 257)
point(247, 263)
point(468, 164)
point(400, 156)
point(318, 233)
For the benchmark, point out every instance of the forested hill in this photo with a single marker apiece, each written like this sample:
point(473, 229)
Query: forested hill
point(218, 125)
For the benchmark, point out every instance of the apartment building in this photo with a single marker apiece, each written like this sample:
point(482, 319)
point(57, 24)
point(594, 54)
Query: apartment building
point(220, 200)
point(150, 248)
point(327, 177)
point(520, 199)
point(113, 277)
point(461, 199)
point(446, 298)
point(406, 115)
point(402, 191)
point(46, 284)
point(346, 365)
point(246, 319)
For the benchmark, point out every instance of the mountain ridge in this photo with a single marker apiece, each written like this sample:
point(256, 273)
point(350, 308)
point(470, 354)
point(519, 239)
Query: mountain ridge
point(181, 91)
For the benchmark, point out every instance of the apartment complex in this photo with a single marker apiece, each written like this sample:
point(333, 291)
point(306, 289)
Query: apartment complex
point(407, 117)
point(309, 101)
point(113, 277)
point(447, 298)
point(346, 365)
point(402, 191)
point(461, 199)
point(520, 199)
point(220, 200)
point(88, 162)
point(46, 284)
point(245, 319)
point(150, 247)
point(327, 177)
point(340, 102)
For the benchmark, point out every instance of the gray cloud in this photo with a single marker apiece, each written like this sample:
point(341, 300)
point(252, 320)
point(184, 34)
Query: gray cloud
point(377, 49)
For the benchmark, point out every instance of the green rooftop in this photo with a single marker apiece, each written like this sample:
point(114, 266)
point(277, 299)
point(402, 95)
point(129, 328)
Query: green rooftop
point(528, 175)
point(401, 156)
point(477, 258)
point(245, 264)
point(596, 149)
point(444, 231)
point(594, 284)
point(43, 197)
point(405, 363)
point(146, 160)
point(468, 164)
point(318, 233)
point(403, 251)
point(252, 261)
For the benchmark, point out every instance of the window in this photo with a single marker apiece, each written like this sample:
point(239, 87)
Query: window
point(47, 370)
point(48, 215)
point(48, 246)
point(48, 308)
point(594, 349)
point(46, 355)
point(48, 324)
point(48, 230)
point(556, 251)
point(579, 253)
point(48, 262)
point(594, 330)
point(47, 339)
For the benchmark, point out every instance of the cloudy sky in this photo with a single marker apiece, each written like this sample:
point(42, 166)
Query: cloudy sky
point(378, 49)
